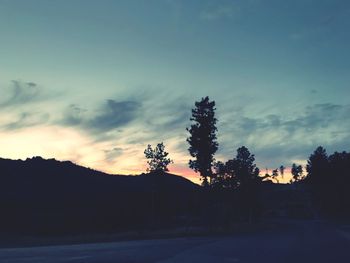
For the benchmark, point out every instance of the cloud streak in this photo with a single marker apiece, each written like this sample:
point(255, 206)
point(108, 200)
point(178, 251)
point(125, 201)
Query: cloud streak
point(21, 93)
point(23, 105)
point(109, 117)
point(280, 139)
point(112, 154)
point(114, 114)
point(26, 120)
point(218, 12)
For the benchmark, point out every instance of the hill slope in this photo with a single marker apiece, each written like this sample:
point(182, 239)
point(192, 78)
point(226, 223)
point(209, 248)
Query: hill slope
point(50, 195)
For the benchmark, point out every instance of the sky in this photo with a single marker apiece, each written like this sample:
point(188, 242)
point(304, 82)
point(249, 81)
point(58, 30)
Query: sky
point(95, 82)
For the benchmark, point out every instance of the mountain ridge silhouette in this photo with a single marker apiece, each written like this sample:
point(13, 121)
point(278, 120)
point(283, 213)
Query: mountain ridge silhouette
point(46, 195)
point(38, 166)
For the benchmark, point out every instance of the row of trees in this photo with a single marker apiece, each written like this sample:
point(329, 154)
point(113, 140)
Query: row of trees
point(329, 180)
point(326, 175)
point(203, 146)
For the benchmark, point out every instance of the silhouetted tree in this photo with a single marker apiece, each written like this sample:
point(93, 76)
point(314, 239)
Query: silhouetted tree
point(202, 140)
point(158, 158)
point(222, 177)
point(274, 175)
point(329, 179)
point(266, 175)
point(246, 176)
point(244, 167)
point(237, 172)
point(239, 182)
point(281, 169)
point(297, 172)
point(338, 186)
point(317, 167)
point(318, 177)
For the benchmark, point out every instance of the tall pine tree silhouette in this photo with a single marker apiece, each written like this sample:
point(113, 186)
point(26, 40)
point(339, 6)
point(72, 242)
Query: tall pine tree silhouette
point(202, 139)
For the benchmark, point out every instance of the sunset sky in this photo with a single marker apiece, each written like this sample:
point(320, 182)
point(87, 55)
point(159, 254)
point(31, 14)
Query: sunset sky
point(94, 82)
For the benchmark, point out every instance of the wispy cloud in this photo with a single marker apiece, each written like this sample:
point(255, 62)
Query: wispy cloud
point(73, 115)
point(112, 154)
point(114, 114)
point(23, 105)
point(26, 120)
point(219, 12)
point(21, 93)
point(281, 138)
point(109, 116)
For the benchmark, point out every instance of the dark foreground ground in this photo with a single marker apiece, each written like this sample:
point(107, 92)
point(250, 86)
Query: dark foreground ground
point(298, 241)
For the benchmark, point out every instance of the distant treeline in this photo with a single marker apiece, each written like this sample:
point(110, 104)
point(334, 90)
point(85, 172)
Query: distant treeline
point(326, 177)
point(329, 179)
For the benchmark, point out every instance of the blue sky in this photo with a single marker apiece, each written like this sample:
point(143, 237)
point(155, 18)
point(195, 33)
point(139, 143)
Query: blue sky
point(96, 81)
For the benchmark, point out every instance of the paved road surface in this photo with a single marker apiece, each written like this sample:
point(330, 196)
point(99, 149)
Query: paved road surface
point(310, 241)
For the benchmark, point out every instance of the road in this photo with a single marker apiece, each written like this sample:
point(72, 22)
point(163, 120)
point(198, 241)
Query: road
point(304, 241)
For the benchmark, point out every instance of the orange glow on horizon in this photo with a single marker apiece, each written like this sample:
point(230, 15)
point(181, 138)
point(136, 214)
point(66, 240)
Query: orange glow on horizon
point(69, 144)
